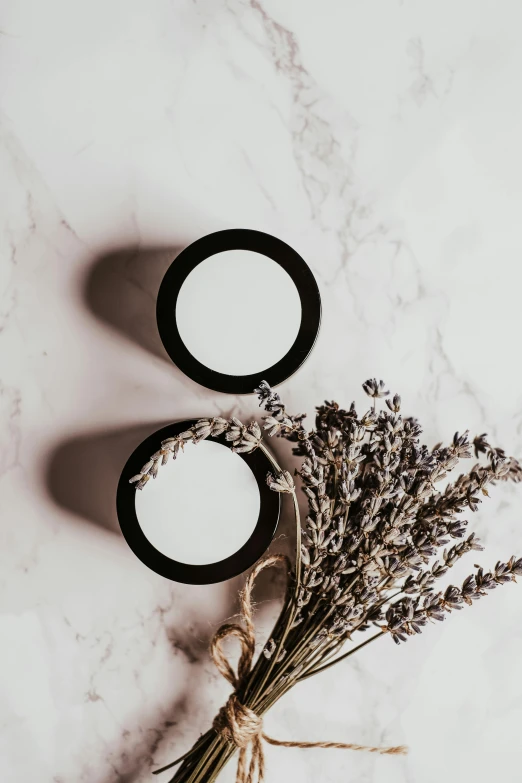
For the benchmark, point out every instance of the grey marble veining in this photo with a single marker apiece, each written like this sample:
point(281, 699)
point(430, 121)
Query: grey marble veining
point(382, 141)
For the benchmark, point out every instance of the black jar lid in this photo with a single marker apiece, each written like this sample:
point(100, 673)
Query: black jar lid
point(258, 242)
point(239, 561)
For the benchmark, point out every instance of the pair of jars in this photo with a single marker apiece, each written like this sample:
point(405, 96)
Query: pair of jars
point(234, 308)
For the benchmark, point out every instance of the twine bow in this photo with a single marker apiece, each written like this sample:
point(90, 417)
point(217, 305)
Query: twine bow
point(238, 723)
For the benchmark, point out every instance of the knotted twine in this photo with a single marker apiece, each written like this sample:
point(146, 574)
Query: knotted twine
point(238, 723)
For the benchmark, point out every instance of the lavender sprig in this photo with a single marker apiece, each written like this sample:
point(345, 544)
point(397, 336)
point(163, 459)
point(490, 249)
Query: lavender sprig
point(408, 616)
point(244, 439)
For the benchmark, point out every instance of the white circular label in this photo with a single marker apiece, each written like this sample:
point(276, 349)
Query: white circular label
point(238, 312)
point(201, 507)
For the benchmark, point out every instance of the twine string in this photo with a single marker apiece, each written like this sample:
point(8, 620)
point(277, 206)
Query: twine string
point(238, 723)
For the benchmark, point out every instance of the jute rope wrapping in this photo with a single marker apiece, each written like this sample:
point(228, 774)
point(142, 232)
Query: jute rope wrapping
point(237, 722)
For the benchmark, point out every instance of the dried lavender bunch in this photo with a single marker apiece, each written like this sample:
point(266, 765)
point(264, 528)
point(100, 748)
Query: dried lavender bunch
point(377, 538)
point(377, 526)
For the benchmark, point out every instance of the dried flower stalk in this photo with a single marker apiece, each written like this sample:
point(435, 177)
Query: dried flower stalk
point(376, 540)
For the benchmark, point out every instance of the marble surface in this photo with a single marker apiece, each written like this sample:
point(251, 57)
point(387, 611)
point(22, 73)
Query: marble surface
point(382, 141)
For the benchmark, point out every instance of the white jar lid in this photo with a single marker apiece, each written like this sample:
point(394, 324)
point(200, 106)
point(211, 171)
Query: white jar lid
point(236, 307)
point(208, 516)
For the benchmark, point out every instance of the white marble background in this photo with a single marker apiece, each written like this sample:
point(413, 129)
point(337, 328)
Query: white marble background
point(382, 140)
